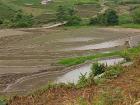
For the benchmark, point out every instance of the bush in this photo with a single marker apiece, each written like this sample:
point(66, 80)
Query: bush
point(1, 21)
point(136, 16)
point(110, 17)
point(19, 20)
point(74, 20)
point(97, 69)
point(93, 21)
point(125, 18)
point(113, 71)
point(67, 14)
point(83, 81)
point(62, 13)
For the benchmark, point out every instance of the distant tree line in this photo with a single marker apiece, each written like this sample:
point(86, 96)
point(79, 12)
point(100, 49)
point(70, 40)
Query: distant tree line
point(109, 18)
point(19, 19)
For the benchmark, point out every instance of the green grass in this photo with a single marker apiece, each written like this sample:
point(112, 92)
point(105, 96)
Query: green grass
point(2, 100)
point(5, 11)
point(131, 25)
point(78, 60)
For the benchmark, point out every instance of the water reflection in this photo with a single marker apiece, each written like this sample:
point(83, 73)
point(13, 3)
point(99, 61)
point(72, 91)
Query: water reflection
point(73, 76)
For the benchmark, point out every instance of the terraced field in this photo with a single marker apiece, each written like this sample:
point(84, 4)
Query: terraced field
point(84, 8)
point(26, 52)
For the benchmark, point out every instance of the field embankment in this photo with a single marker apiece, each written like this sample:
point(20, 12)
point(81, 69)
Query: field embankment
point(119, 89)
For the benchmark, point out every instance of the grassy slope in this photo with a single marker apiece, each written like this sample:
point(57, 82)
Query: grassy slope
point(4, 9)
point(45, 13)
point(85, 8)
point(119, 89)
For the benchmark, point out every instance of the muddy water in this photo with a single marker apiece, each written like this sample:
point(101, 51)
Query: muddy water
point(103, 45)
point(36, 50)
point(132, 41)
point(73, 76)
point(79, 39)
point(34, 81)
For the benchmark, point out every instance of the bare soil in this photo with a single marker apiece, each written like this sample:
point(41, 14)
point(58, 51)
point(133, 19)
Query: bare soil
point(24, 52)
point(128, 82)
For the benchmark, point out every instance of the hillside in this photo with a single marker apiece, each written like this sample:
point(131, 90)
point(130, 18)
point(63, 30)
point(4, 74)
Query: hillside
point(84, 8)
point(70, 52)
point(122, 89)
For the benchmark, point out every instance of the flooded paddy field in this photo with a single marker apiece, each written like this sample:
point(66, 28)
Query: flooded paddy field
point(28, 57)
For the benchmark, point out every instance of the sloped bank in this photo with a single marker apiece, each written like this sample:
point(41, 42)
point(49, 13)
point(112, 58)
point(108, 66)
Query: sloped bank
point(118, 88)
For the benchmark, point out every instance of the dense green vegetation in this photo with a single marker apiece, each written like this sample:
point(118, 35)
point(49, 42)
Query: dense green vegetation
point(110, 17)
point(68, 15)
point(84, 9)
point(17, 20)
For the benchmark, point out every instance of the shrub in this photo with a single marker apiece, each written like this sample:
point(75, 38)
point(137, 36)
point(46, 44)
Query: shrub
point(110, 17)
point(125, 54)
point(97, 69)
point(136, 15)
point(62, 13)
point(67, 14)
point(113, 71)
point(83, 81)
point(93, 21)
point(1, 21)
point(74, 20)
point(19, 20)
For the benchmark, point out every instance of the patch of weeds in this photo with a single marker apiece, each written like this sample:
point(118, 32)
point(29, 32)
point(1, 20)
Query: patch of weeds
point(113, 71)
point(83, 81)
point(110, 97)
point(43, 89)
point(3, 100)
point(99, 81)
point(82, 101)
point(97, 69)
point(52, 86)
point(125, 54)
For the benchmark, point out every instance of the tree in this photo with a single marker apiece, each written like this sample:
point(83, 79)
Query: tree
point(67, 14)
point(111, 17)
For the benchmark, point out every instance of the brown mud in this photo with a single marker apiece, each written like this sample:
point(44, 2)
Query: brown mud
point(26, 52)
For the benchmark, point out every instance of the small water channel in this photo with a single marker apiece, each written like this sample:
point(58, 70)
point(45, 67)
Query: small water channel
point(73, 76)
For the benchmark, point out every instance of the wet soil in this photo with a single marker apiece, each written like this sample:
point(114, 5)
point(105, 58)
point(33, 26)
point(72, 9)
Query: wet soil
point(121, 90)
point(26, 52)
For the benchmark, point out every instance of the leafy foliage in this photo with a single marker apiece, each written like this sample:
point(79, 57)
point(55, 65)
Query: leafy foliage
point(18, 20)
point(97, 69)
point(136, 15)
point(83, 81)
point(110, 17)
point(67, 14)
